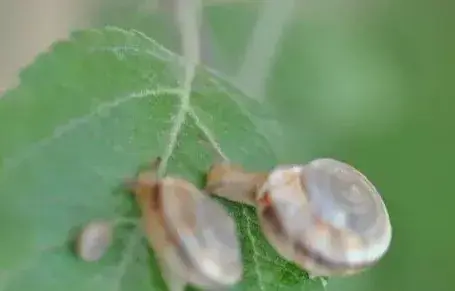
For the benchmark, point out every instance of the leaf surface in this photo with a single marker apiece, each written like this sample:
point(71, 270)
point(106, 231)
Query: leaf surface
point(86, 116)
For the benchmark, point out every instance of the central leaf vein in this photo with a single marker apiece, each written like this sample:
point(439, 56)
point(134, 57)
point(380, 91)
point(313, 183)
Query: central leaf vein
point(211, 139)
point(178, 122)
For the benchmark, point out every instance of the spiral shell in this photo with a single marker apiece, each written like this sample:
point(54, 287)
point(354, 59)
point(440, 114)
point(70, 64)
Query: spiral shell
point(205, 234)
point(326, 216)
point(94, 240)
point(194, 238)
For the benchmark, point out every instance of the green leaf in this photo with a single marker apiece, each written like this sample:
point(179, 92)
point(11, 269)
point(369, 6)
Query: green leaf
point(86, 116)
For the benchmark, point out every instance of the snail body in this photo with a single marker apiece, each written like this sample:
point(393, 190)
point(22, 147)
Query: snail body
point(325, 215)
point(193, 237)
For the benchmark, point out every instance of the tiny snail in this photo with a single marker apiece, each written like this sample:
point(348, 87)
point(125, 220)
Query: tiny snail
point(194, 238)
point(325, 216)
point(94, 240)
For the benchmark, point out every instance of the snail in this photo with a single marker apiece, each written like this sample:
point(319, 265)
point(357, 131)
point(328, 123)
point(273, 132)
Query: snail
point(194, 238)
point(325, 215)
point(94, 240)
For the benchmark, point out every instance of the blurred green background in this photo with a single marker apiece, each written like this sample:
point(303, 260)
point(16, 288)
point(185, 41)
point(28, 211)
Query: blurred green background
point(368, 82)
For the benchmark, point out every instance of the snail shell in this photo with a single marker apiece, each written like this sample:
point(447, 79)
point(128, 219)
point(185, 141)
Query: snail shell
point(325, 216)
point(94, 240)
point(193, 236)
point(207, 235)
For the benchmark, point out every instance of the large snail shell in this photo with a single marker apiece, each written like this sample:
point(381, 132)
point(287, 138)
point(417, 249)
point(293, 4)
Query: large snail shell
point(206, 234)
point(326, 216)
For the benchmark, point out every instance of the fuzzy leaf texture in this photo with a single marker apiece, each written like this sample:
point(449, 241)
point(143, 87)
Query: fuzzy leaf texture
point(86, 115)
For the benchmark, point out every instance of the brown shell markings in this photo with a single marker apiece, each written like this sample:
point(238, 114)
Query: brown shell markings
point(314, 214)
point(189, 249)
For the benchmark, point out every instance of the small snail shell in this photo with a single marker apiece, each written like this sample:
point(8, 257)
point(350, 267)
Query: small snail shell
point(193, 236)
point(94, 240)
point(325, 216)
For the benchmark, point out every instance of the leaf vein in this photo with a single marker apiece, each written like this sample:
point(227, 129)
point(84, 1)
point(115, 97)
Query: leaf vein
point(178, 123)
point(208, 135)
point(249, 222)
point(254, 248)
point(15, 161)
point(126, 259)
point(166, 53)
